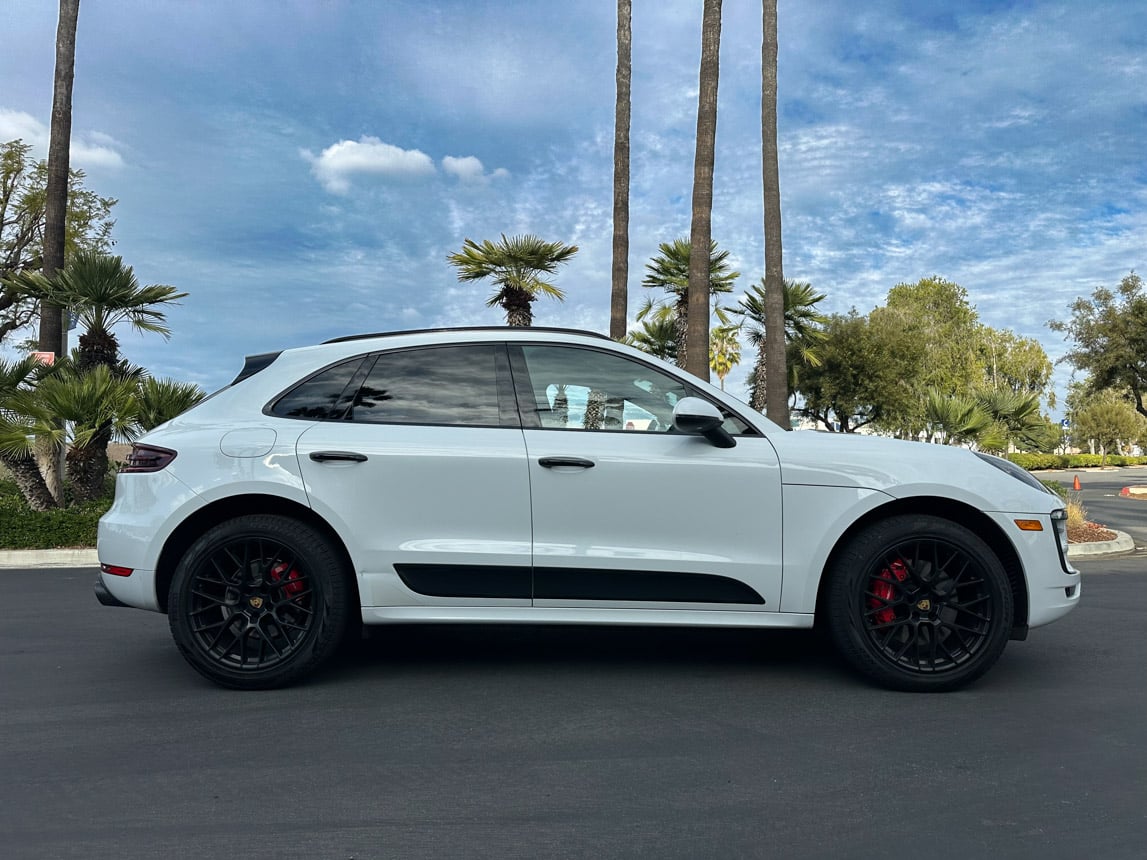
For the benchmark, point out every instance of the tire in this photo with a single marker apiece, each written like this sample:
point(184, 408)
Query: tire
point(919, 603)
point(259, 602)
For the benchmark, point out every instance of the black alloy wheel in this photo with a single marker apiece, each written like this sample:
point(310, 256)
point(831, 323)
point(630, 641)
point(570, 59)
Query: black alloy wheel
point(258, 602)
point(919, 603)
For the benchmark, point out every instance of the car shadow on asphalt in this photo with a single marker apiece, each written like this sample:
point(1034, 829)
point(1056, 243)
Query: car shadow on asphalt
point(558, 647)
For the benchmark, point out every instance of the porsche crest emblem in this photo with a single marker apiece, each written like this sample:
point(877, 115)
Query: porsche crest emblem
point(924, 605)
point(256, 602)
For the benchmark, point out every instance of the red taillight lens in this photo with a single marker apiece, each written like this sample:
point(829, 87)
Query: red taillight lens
point(116, 570)
point(147, 458)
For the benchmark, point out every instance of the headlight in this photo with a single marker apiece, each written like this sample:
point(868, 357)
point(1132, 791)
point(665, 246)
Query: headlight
point(1017, 473)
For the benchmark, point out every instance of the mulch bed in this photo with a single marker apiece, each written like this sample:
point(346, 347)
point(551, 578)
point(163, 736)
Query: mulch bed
point(1089, 533)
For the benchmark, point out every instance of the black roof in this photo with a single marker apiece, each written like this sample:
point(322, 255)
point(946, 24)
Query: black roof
point(502, 328)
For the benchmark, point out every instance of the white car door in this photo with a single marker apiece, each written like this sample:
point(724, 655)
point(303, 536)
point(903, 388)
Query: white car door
point(422, 470)
point(628, 513)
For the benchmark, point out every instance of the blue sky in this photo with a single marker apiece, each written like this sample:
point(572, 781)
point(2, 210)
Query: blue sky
point(302, 169)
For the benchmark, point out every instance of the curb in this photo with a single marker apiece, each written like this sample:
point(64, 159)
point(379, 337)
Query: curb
point(1122, 543)
point(1134, 491)
point(33, 558)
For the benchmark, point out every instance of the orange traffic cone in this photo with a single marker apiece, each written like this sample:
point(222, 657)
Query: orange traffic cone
point(1076, 486)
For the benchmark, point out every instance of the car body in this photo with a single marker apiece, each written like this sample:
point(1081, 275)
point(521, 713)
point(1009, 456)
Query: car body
point(550, 476)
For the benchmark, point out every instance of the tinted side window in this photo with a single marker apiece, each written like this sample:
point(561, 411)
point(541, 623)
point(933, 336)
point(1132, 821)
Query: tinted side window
point(438, 385)
point(324, 396)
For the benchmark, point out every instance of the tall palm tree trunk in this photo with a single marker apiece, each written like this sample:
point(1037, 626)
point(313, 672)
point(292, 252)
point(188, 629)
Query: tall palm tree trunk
point(619, 295)
point(700, 233)
point(53, 332)
point(59, 155)
point(773, 345)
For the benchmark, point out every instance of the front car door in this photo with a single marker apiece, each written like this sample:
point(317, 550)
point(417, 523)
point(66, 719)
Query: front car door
point(628, 513)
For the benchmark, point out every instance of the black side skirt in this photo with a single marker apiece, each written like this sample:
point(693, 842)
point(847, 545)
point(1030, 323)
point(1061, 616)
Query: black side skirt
point(570, 583)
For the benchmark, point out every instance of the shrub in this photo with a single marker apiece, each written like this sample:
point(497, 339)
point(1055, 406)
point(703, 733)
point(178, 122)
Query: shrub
point(23, 528)
point(1056, 487)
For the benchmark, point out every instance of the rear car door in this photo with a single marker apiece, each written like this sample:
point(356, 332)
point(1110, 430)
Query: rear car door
point(421, 467)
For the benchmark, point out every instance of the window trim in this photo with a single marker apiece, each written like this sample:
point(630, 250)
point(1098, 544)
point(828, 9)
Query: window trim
point(523, 387)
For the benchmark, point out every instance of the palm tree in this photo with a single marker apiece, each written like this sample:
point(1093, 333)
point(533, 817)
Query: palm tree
point(802, 331)
point(52, 330)
point(669, 271)
point(619, 294)
point(17, 449)
point(955, 418)
point(694, 357)
point(98, 403)
point(724, 351)
point(776, 378)
point(104, 292)
point(160, 400)
point(515, 265)
point(657, 336)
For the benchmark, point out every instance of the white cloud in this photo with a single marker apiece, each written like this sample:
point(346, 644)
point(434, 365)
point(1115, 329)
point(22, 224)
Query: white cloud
point(471, 170)
point(336, 165)
point(90, 149)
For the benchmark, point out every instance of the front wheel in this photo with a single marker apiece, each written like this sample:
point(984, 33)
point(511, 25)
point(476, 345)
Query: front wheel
point(259, 601)
point(919, 603)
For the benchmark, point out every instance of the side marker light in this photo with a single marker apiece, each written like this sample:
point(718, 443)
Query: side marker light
point(1030, 525)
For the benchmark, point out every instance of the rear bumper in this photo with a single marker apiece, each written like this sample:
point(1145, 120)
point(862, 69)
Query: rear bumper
point(106, 597)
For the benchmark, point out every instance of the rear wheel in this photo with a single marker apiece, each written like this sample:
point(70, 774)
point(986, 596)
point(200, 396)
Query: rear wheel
point(919, 603)
point(259, 601)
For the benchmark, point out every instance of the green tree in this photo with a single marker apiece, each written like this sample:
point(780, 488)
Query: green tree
point(773, 356)
point(1106, 419)
point(1014, 363)
point(619, 294)
point(669, 271)
point(935, 315)
point(693, 354)
point(803, 332)
point(1109, 336)
point(23, 189)
point(724, 351)
point(516, 265)
point(861, 373)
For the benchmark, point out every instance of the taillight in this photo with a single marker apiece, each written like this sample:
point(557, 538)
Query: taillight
point(147, 458)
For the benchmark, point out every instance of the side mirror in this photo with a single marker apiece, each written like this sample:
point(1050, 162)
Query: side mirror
point(696, 417)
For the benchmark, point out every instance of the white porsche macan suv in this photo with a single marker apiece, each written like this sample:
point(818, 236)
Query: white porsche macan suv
point(547, 476)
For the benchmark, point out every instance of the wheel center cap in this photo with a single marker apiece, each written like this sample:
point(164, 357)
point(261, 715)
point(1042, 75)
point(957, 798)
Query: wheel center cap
point(256, 602)
point(924, 605)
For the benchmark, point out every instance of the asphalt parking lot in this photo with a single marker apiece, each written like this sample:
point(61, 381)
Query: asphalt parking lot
point(568, 742)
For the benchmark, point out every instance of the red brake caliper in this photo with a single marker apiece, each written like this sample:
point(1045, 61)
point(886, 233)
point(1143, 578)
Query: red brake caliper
point(294, 579)
point(881, 586)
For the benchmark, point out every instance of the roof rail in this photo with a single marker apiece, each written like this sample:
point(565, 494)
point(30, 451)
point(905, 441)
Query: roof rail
point(349, 337)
